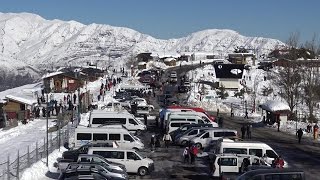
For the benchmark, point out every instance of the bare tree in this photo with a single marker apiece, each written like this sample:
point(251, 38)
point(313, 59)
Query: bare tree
point(288, 78)
point(311, 80)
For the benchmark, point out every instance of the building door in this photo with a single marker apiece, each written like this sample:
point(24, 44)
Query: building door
point(58, 86)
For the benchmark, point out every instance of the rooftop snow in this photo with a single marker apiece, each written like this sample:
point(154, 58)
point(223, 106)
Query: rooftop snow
point(51, 74)
point(169, 59)
point(24, 100)
point(274, 106)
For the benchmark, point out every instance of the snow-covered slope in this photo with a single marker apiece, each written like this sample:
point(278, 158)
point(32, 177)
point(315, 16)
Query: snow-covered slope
point(28, 40)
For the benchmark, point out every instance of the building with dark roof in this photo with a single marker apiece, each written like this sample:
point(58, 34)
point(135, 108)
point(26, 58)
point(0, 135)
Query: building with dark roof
point(229, 75)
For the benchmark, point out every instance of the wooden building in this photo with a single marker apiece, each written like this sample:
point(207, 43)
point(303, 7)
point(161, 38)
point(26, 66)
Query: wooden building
point(276, 112)
point(18, 109)
point(241, 58)
point(93, 73)
point(58, 82)
point(170, 61)
point(144, 57)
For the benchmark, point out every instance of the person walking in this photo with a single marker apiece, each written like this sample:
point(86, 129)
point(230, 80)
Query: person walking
point(243, 131)
point(167, 139)
point(186, 155)
point(315, 131)
point(249, 129)
point(152, 143)
point(246, 115)
point(193, 153)
point(299, 133)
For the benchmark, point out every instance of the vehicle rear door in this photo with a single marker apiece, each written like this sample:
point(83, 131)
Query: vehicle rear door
point(229, 164)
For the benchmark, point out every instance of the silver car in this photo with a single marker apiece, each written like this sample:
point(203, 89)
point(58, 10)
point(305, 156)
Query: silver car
point(184, 138)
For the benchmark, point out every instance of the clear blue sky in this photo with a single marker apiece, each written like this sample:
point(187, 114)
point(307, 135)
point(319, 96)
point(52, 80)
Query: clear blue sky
point(177, 18)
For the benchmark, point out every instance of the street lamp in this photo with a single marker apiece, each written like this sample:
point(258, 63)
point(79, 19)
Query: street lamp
point(47, 126)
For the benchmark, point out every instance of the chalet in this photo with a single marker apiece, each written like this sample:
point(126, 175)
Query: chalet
point(282, 62)
point(18, 108)
point(197, 56)
point(229, 75)
point(93, 73)
point(144, 57)
point(63, 81)
point(241, 58)
point(170, 61)
point(275, 112)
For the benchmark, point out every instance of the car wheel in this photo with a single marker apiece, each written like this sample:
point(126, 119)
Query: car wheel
point(142, 171)
point(184, 142)
point(138, 132)
point(199, 145)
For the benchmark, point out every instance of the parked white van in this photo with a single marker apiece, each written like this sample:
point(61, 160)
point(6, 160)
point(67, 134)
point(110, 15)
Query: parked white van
point(99, 118)
point(198, 116)
point(133, 162)
point(173, 125)
point(204, 139)
point(107, 134)
point(184, 138)
point(232, 163)
point(250, 148)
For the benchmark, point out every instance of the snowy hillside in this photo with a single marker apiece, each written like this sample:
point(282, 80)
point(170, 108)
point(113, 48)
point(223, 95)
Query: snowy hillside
point(31, 43)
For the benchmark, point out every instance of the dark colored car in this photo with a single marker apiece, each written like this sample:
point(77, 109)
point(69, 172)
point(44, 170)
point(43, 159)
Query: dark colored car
point(74, 153)
point(76, 173)
point(273, 174)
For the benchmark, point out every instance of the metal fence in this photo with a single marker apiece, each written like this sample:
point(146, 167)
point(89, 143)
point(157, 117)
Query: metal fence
point(13, 169)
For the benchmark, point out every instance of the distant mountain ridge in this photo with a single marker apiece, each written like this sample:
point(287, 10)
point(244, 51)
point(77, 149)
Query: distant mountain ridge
point(31, 43)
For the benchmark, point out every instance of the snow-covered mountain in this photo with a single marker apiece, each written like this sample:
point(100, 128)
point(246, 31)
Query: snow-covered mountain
point(29, 42)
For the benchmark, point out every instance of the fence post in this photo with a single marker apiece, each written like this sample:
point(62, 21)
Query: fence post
point(18, 165)
point(28, 156)
point(8, 168)
point(51, 142)
point(37, 156)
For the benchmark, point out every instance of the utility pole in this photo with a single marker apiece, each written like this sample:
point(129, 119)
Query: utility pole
point(47, 126)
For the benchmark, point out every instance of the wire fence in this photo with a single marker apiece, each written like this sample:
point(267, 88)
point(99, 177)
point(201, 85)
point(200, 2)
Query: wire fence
point(12, 169)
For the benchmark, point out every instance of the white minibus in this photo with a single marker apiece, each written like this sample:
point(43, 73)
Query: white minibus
point(259, 149)
point(107, 134)
point(100, 118)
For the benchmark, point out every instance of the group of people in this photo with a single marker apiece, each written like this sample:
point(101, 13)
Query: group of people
point(107, 86)
point(190, 152)
point(246, 129)
point(155, 141)
point(299, 133)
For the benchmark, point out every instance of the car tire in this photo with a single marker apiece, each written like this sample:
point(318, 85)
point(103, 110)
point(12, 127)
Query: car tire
point(199, 145)
point(184, 143)
point(142, 171)
point(138, 132)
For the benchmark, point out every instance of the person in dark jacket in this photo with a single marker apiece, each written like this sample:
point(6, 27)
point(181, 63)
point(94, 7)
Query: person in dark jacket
point(243, 131)
point(299, 133)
